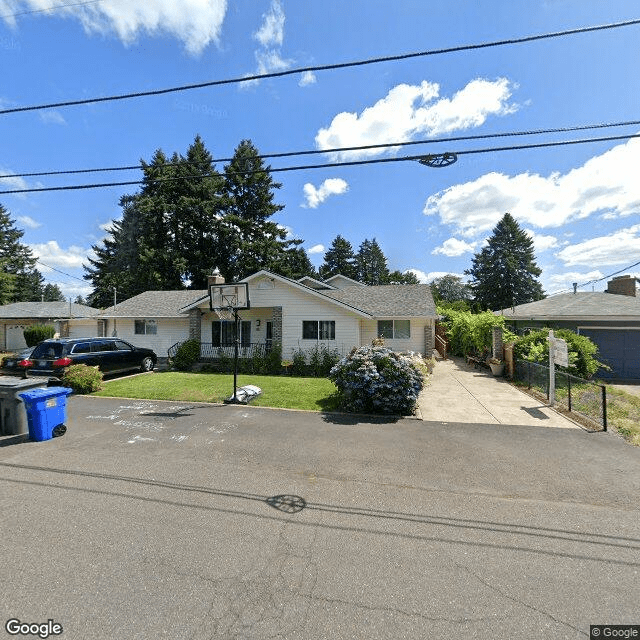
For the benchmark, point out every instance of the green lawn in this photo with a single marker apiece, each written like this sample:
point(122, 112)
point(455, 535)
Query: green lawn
point(313, 394)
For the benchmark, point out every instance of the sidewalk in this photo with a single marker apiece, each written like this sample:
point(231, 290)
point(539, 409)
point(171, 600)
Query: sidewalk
point(456, 392)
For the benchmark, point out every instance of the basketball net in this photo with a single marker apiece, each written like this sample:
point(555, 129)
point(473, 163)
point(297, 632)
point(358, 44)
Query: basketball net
point(224, 313)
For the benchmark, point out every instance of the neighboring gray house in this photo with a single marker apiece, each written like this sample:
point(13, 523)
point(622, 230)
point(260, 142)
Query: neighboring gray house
point(16, 317)
point(341, 314)
point(610, 318)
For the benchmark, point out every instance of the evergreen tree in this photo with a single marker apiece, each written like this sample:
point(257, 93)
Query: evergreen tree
point(339, 258)
point(249, 240)
point(371, 264)
point(16, 260)
point(80, 300)
point(53, 293)
point(504, 273)
point(295, 264)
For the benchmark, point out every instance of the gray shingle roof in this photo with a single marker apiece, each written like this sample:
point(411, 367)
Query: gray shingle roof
point(595, 304)
point(48, 310)
point(155, 304)
point(390, 300)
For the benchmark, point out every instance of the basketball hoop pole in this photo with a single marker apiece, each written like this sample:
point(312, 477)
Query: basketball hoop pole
point(236, 339)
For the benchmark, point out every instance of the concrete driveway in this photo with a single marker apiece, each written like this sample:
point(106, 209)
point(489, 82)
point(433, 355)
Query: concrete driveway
point(186, 521)
point(459, 393)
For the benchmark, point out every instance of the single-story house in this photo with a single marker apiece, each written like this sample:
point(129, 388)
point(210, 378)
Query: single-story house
point(610, 318)
point(16, 317)
point(339, 313)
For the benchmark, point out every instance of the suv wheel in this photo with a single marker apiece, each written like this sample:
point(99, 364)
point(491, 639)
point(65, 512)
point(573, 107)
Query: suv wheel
point(146, 364)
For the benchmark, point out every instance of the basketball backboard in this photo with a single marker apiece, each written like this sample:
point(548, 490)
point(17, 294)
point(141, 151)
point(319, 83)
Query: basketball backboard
point(234, 295)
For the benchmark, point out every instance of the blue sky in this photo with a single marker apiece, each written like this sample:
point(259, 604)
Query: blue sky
point(580, 203)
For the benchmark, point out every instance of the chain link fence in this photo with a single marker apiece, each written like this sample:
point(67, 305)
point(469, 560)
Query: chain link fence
point(583, 397)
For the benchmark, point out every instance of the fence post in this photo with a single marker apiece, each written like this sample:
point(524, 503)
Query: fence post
point(604, 407)
point(569, 389)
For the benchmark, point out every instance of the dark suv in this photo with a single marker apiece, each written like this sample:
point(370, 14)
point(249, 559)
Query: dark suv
point(112, 355)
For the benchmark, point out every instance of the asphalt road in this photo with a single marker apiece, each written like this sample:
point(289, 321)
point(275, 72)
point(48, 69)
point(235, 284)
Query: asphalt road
point(185, 521)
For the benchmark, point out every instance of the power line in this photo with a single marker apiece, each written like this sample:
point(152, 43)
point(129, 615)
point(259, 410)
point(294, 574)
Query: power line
point(288, 154)
point(325, 165)
point(58, 270)
point(50, 9)
point(327, 67)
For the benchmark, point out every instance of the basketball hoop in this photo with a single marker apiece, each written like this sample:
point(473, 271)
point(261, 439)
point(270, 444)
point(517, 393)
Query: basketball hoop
point(225, 300)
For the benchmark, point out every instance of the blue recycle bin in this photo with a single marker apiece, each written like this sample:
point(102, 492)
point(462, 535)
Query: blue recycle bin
point(46, 411)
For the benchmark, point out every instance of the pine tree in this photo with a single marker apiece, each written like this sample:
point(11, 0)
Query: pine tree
point(249, 240)
point(504, 273)
point(53, 293)
point(16, 260)
point(371, 264)
point(339, 258)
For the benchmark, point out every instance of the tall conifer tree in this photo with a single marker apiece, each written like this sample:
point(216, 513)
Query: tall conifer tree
point(504, 273)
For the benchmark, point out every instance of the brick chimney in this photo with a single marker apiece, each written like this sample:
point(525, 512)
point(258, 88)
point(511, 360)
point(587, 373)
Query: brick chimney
point(215, 278)
point(622, 285)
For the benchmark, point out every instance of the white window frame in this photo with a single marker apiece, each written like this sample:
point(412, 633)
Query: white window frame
point(147, 323)
point(332, 325)
point(393, 329)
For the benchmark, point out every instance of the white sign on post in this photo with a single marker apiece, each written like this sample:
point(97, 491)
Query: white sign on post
point(561, 352)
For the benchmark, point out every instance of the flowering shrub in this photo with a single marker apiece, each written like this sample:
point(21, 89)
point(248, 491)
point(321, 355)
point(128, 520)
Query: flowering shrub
point(377, 380)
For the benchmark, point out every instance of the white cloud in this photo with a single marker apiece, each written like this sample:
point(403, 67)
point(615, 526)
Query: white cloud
point(270, 36)
point(308, 77)
point(28, 222)
point(317, 248)
point(621, 247)
point(197, 23)
point(52, 117)
point(564, 281)
point(330, 187)
point(271, 32)
point(541, 242)
point(454, 247)
point(52, 253)
point(8, 184)
point(428, 277)
point(605, 184)
point(411, 110)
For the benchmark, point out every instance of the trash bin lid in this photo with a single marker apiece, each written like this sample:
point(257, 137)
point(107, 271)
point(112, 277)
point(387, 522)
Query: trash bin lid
point(13, 382)
point(41, 394)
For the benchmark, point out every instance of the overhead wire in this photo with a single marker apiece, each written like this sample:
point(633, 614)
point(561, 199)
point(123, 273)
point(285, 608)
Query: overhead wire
point(49, 9)
point(334, 150)
point(325, 67)
point(325, 165)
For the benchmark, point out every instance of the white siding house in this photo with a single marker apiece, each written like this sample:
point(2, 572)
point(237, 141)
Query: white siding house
point(284, 311)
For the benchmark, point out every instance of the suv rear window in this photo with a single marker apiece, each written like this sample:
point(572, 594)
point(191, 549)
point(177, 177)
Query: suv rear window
point(48, 350)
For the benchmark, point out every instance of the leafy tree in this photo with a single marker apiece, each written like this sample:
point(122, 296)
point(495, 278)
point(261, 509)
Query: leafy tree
point(80, 300)
point(504, 273)
point(450, 288)
point(16, 260)
point(398, 277)
point(371, 264)
point(339, 258)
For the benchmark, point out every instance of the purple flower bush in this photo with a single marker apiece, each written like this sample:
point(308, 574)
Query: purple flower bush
point(377, 380)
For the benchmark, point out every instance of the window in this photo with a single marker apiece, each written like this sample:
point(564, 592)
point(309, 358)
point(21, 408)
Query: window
point(318, 330)
point(82, 347)
point(146, 327)
point(394, 329)
point(222, 333)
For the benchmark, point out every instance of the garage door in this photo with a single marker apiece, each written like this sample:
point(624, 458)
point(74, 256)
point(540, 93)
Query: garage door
point(15, 337)
point(619, 348)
